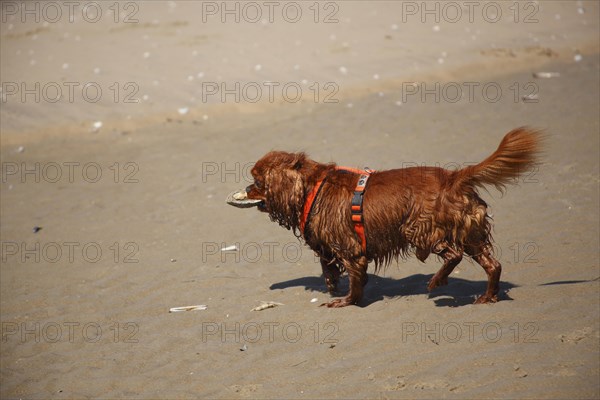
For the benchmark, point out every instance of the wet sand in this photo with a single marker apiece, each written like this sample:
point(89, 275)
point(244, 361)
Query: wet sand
point(136, 222)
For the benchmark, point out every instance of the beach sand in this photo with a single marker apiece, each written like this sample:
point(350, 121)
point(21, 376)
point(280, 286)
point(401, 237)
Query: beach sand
point(134, 221)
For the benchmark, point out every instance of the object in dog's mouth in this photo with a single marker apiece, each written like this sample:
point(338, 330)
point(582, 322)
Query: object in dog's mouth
point(240, 199)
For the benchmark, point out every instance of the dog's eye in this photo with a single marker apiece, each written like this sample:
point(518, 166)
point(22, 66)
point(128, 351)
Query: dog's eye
point(258, 184)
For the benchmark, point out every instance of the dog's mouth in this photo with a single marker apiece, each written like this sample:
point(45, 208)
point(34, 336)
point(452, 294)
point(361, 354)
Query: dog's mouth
point(240, 199)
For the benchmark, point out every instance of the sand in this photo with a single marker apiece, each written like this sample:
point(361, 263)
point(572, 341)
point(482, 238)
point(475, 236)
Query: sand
point(133, 218)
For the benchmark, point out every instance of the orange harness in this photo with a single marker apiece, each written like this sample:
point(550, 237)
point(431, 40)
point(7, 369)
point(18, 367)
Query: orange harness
point(356, 205)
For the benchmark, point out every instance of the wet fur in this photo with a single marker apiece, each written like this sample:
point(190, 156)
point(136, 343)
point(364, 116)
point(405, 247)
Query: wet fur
point(420, 210)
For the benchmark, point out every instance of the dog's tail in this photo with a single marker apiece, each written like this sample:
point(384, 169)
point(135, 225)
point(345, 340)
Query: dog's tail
point(517, 153)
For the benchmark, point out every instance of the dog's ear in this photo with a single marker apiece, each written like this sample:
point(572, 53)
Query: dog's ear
point(299, 161)
point(285, 188)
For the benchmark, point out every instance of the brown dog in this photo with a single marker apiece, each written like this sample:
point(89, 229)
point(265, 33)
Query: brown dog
point(421, 209)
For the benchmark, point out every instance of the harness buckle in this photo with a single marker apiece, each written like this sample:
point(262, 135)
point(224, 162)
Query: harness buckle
point(357, 197)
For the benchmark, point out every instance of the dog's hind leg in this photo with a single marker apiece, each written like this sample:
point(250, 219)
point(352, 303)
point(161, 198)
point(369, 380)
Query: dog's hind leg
point(451, 258)
point(357, 274)
point(493, 269)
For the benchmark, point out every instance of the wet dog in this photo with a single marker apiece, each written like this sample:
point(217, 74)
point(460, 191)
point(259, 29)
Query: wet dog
point(420, 210)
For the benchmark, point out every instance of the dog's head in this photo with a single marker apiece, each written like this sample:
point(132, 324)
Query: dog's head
point(279, 188)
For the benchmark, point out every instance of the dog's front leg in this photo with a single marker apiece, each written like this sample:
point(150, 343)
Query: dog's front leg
point(331, 272)
point(357, 275)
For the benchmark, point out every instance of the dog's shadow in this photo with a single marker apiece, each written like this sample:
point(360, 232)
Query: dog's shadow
point(459, 292)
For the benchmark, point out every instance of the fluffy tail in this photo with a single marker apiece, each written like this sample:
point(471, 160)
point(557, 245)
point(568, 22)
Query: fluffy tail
point(517, 153)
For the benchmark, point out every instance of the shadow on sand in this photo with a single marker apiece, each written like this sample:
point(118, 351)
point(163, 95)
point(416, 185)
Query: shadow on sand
point(459, 292)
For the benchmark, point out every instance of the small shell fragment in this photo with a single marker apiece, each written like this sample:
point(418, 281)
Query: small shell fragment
point(96, 126)
point(530, 98)
point(199, 307)
point(546, 74)
point(265, 305)
point(241, 195)
point(314, 300)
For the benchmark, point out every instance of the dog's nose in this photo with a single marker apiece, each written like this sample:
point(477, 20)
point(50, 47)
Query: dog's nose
point(248, 188)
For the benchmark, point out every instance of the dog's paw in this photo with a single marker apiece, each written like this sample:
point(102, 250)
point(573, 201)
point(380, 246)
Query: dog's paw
point(436, 282)
point(485, 299)
point(337, 303)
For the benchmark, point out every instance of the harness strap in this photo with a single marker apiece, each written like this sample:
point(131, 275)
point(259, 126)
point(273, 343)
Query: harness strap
point(308, 204)
point(356, 205)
